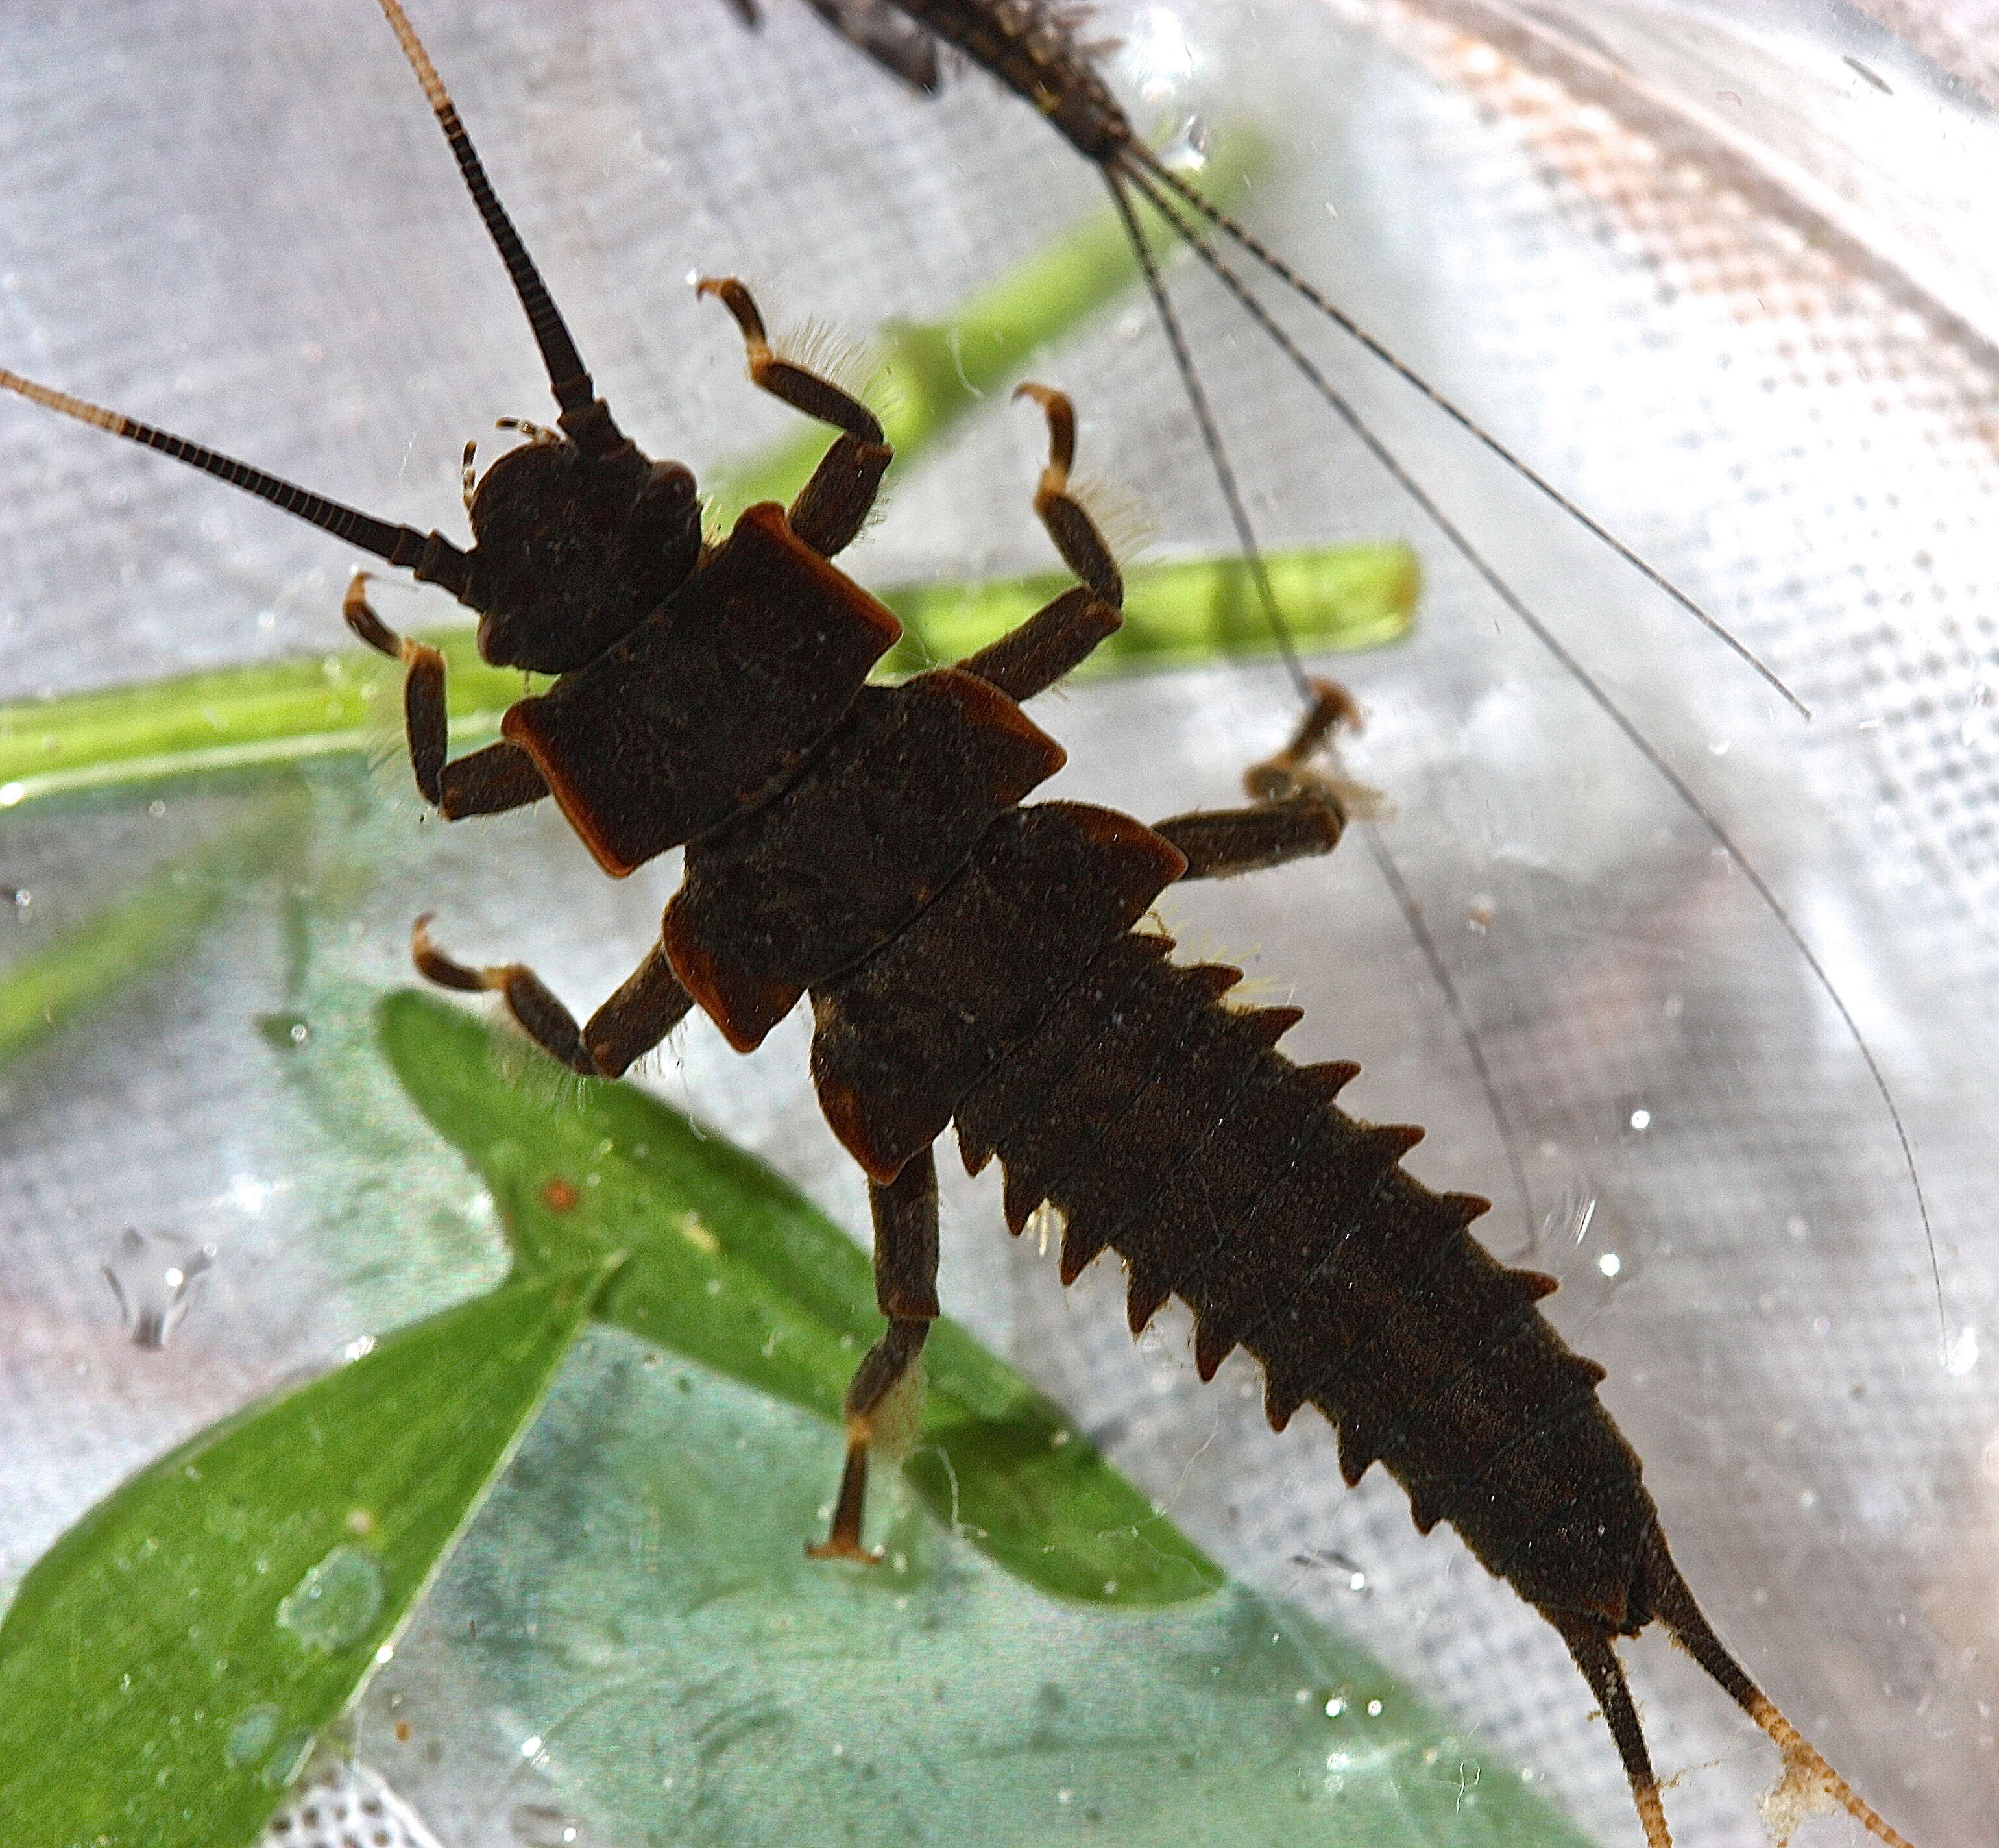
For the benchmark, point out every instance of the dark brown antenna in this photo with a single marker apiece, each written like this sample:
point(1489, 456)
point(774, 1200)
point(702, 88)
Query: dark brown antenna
point(432, 557)
point(568, 378)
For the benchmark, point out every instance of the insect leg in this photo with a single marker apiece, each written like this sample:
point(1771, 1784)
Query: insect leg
point(1298, 810)
point(536, 1009)
point(833, 505)
point(1220, 843)
point(1030, 659)
point(500, 777)
point(906, 1267)
point(649, 1004)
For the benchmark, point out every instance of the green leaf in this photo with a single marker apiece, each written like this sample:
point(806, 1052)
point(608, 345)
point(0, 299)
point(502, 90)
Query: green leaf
point(167, 1665)
point(635, 1593)
point(730, 1265)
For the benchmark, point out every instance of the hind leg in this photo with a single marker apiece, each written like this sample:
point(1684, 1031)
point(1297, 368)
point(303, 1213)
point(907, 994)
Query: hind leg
point(1300, 809)
point(906, 1267)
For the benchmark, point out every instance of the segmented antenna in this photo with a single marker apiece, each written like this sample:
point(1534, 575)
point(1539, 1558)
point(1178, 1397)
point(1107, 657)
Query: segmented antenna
point(567, 377)
point(432, 557)
point(1148, 173)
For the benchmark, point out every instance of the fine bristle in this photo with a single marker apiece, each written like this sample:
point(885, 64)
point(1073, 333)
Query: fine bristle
point(1124, 519)
point(829, 351)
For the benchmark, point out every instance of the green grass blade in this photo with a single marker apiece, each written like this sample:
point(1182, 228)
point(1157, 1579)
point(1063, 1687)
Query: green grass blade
point(1338, 597)
point(166, 1666)
point(729, 1264)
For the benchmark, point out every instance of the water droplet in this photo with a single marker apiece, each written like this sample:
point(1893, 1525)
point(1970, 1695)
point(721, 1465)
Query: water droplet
point(1335, 1708)
point(1373, 1710)
point(1961, 1355)
point(284, 1033)
point(1641, 1121)
point(542, 1826)
point(1610, 1263)
point(155, 1279)
point(335, 1604)
point(24, 900)
point(250, 1737)
point(282, 1769)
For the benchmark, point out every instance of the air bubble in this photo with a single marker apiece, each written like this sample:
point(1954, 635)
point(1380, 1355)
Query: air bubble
point(155, 1279)
point(282, 1769)
point(543, 1825)
point(250, 1738)
point(335, 1604)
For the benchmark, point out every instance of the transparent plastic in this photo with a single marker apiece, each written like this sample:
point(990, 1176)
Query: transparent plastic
point(1714, 270)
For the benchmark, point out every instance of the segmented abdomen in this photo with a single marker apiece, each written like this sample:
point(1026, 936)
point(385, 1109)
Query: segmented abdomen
point(1166, 1128)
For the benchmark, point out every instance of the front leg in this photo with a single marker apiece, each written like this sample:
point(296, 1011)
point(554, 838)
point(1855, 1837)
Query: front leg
point(834, 504)
point(502, 776)
point(905, 1268)
point(649, 1005)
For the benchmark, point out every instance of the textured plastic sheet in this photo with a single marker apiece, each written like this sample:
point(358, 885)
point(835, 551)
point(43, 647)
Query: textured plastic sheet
point(1759, 355)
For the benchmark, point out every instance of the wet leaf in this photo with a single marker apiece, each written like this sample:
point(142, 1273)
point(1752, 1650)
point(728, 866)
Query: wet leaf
point(167, 1665)
point(730, 1265)
point(690, 1677)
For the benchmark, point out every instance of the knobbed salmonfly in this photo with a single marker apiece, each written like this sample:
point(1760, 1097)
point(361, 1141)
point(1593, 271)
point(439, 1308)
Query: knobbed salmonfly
point(714, 694)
